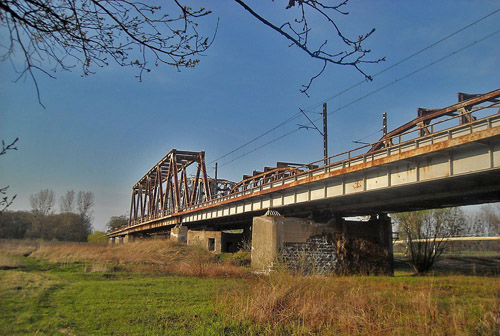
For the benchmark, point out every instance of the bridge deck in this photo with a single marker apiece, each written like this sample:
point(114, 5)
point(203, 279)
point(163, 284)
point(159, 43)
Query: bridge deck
point(451, 165)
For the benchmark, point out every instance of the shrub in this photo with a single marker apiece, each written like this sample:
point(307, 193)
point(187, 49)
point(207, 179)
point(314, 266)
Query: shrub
point(97, 237)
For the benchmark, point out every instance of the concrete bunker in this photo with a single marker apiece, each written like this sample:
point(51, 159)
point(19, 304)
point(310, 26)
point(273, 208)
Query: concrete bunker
point(216, 241)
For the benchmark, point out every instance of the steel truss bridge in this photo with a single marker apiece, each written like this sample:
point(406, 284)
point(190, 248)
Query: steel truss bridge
point(444, 157)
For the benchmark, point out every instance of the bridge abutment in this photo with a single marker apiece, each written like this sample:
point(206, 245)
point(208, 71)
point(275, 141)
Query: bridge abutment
point(337, 247)
point(179, 234)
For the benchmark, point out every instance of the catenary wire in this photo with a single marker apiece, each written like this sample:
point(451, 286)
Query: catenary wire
point(309, 109)
point(368, 94)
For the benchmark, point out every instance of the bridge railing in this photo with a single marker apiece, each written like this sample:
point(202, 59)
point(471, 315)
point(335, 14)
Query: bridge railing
point(439, 131)
point(435, 132)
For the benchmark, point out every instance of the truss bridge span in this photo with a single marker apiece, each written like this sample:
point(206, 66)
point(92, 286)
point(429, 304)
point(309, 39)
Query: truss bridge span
point(444, 157)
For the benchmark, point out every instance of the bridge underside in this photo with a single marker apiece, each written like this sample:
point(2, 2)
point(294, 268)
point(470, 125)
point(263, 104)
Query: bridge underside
point(447, 192)
point(432, 166)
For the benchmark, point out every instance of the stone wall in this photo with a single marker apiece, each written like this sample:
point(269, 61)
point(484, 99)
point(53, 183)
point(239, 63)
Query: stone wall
point(317, 255)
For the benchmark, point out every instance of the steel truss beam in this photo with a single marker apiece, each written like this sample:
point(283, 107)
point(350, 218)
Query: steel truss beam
point(166, 188)
point(167, 192)
point(464, 107)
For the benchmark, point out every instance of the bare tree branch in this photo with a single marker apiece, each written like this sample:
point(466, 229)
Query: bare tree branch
point(5, 202)
point(298, 32)
point(10, 146)
point(61, 35)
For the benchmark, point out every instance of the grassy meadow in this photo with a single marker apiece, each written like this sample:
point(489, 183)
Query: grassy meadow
point(162, 288)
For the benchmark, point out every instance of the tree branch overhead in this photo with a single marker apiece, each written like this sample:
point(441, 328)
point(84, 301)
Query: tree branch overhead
point(64, 34)
point(298, 32)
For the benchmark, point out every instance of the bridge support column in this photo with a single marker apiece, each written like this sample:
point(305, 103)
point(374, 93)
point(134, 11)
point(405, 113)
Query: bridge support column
point(111, 241)
point(338, 247)
point(179, 234)
point(300, 243)
point(365, 247)
point(128, 238)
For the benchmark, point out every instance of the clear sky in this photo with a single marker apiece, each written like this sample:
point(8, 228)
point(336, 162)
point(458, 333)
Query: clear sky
point(103, 132)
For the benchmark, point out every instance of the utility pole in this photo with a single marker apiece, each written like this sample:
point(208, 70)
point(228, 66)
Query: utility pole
point(215, 191)
point(325, 134)
point(384, 123)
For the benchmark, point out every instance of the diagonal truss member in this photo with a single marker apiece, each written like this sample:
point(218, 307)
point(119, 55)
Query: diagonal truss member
point(166, 188)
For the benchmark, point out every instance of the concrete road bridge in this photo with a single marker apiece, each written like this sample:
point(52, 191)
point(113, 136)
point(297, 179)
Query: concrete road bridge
point(444, 157)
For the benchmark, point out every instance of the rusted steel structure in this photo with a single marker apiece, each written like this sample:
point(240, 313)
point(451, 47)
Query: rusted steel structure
point(166, 188)
point(454, 161)
point(270, 174)
point(463, 109)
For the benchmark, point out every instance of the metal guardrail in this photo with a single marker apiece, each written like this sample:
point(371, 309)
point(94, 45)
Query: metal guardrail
point(489, 122)
point(396, 145)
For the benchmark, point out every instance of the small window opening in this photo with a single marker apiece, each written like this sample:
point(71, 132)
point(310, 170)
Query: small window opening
point(211, 244)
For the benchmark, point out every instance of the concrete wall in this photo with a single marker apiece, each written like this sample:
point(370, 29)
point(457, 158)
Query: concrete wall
point(221, 241)
point(204, 238)
point(179, 234)
point(339, 246)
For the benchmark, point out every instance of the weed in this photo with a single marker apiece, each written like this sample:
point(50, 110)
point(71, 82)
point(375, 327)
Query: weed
point(368, 305)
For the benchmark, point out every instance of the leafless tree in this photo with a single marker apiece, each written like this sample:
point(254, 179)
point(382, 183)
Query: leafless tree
point(490, 216)
point(42, 202)
point(84, 203)
point(428, 232)
point(60, 35)
point(67, 202)
point(5, 201)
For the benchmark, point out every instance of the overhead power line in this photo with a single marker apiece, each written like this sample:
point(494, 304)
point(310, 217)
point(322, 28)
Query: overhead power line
point(404, 59)
point(309, 109)
point(368, 94)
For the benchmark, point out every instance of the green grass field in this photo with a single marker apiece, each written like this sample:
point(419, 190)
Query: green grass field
point(48, 299)
point(80, 298)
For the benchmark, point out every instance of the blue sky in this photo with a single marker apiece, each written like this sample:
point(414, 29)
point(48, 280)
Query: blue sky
point(103, 132)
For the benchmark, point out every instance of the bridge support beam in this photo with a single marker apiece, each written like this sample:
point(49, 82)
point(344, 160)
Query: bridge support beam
point(128, 238)
point(336, 247)
point(179, 234)
point(365, 247)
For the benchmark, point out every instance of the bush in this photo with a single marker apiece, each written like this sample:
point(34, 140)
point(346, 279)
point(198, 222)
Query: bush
point(97, 237)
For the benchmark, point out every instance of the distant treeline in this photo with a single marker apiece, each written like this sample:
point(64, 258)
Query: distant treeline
point(25, 224)
point(73, 223)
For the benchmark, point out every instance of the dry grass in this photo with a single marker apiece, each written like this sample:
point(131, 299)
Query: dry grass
point(18, 247)
point(8, 261)
point(139, 256)
point(368, 306)
point(282, 304)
